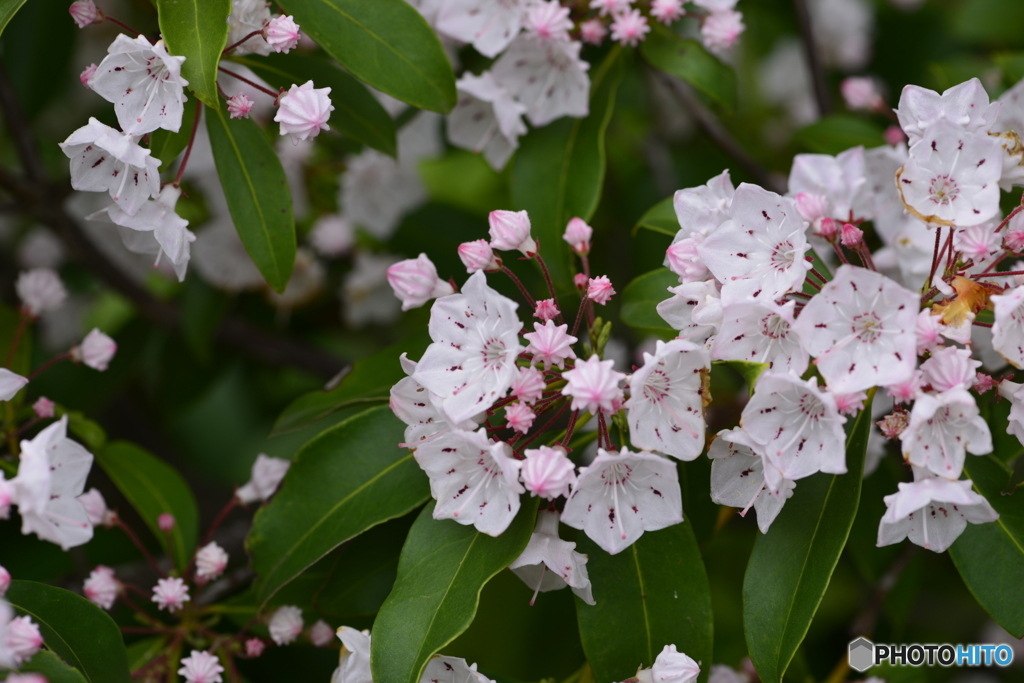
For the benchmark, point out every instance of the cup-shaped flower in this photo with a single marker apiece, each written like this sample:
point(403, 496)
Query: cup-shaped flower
point(547, 76)
point(10, 384)
point(354, 663)
point(943, 428)
point(548, 563)
point(1008, 330)
point(737, 478)
point(694, 310)
point(486, 119)
point(489, 26)
point(760, 332)
point(965, 105)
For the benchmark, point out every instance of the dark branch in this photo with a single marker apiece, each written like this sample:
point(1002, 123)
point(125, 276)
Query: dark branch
point(803, 18)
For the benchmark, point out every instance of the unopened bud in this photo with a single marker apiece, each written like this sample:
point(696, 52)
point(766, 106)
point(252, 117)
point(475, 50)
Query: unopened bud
point(894, 135)
point(852, 236)
point(546, 310)
point(1014, 240)
point(165, 522)
point(828, 230)
point(478, 255)
point(510, 231)
point(415, 282)
point(85, 12)
point(581, 281)
point(862, 93)
point(578, 234)
point(281, 33)
point(599, 290)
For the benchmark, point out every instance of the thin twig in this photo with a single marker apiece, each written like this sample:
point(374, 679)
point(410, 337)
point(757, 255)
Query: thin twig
point(814, 66)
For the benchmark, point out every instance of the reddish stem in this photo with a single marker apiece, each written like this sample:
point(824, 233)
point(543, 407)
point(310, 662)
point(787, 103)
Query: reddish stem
point(122, 25)
point(23, 318)
point(231, 47)
point(247, 81)
point(138, 544)
point(48, 364)
point(1001, 274)
point(1010, 215)
point(579, 316)
point(815, 273)
point(543, 429)
point(935, 256)
point(570, 428)
point(551, 285)
point(519, 284)
point(191, 142)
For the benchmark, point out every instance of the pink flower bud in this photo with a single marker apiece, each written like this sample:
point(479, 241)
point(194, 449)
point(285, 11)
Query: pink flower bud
point(852, 236)
point(286, 624)
point(983, 383)
point(519, 417)
point(546, 310)
point(599, 289)
point(862, 93)
point(478, 255)
point(5, 581)
point(211, 561)
point(593, 385)
point(165, 522)
point(510, 231)
point(85, 12)
point(828, 230)
point(578, 234)
point(22, 640)
point(528, 385)
point(40, 290)
point(254, 648)
point(549, 21)
point(102, 588)
point(95, 351)
point(282, 34)
point(201, 667)
point(415, 282)
point(894, 135)
point(239, 106)
point(25, 678)
point(850, 404)
point(303, 111)
point(1014, 240)
point(96, 507)
point(667, 11)
point(43, 408)
point(87, 74)
point(547, 472)
point(321, 634)
point(550, 344)
point(685, 261)
point(593, 31)
point(581, 281)
point(720, 30)
point(171, 594)
point(630, 28)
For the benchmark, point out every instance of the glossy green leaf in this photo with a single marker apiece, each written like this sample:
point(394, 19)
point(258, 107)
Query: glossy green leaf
point(356, 113)
point(443, 567)
point(257, 193)
point(791, 566)
point(165, 145)
point(369, 379)
point(687, 60)
point(990, 557)
point(660, 218)
point(153, 487)
point(52, 668)
point(641, 297)
point(749, 370)
point(384, 43)
point(652, 594)
point(346, 480)
point(77, 631)
point(198, 31)
point(837, 133)
point(8, 8)
point(559, 170)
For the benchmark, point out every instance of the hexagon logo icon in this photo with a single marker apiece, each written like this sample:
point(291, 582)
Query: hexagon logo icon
point(862, 654)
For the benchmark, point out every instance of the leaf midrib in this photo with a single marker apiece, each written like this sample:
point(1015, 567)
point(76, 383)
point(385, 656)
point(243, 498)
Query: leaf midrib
point(80, 665)
point(643, 605)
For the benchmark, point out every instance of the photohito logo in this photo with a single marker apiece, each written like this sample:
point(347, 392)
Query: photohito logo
point(864, 654)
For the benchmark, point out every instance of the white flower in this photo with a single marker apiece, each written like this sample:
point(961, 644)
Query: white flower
point(354, 662)
point(96, 350)
point(548, 563)
point(720, 673)
point(472, 360)
point(547, 76)
point(547, 472)
point(441, 669)
point(144, 83)
point(201, 667)
point(932, 512)
point(950, 368)
point(332, 236)
point(861, 329)
point(665, 408)
point(286, 624)
point(593, 385)
point(952, 176)
point(760, 251)
point(282, 34)
point(942, 429)
point(415, 282)
point(50, 478)
point(1008, 390)
point(721, 30)
point(694, 310)
point(842, 31)
point(248, 16)
point(703, 208)
point(211, 561)
point(550, 344)
point(489, 26)
point(414, 406)
point(96, 507)
point(10, 384)
point(798, 426)
point(266, 476)
point(171, 594)
point(40, 290)
point(101, 588)
point(621, 495)
point(1008, 330)
point(6, 497)
point(737, 478)
point(221, 258)
point(841, 181)
point(106, 160)
point(474, 480)
point(760, 332)
point(486, 119)
point(965, 105)
point(154, 228)
point(303, 111)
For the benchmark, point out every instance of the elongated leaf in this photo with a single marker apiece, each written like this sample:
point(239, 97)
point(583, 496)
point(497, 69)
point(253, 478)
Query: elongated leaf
point(790, 566)
point(52, 668)
point(990, 557)
point(198, 31)
point(8, 8)
point(559, 170)
point(660, 218)
point(257, 193)
point(153, 487)
point(652, 594)
point(641, 297)
point(839, 132)
point(349, 478)
point(369, 379)
point(384, 43)
point(356, 113)
point(79, 632)
point(443, 567)
point(688, 60)
point(165, 145)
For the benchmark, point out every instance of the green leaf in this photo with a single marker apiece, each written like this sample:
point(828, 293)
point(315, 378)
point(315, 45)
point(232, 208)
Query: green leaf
point(356, 113)
point(165, 145)
point(559, 170)
point(990, 557)
point(749, 370)
point(142, 651)
point(443, 567)
point(198, 31)
point(791, 566)
point(1012, 64)
point(257, 193)
point(652, 594)
point(346, 480)
point(660, 218)
point(8, 8)
point(77, 631)
point(87, 431)
point(52, 668)
point(839, 132)
point(153, 487)
point(369, 379)
point(641, 297)
point(687, 60)
point(384, 43)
